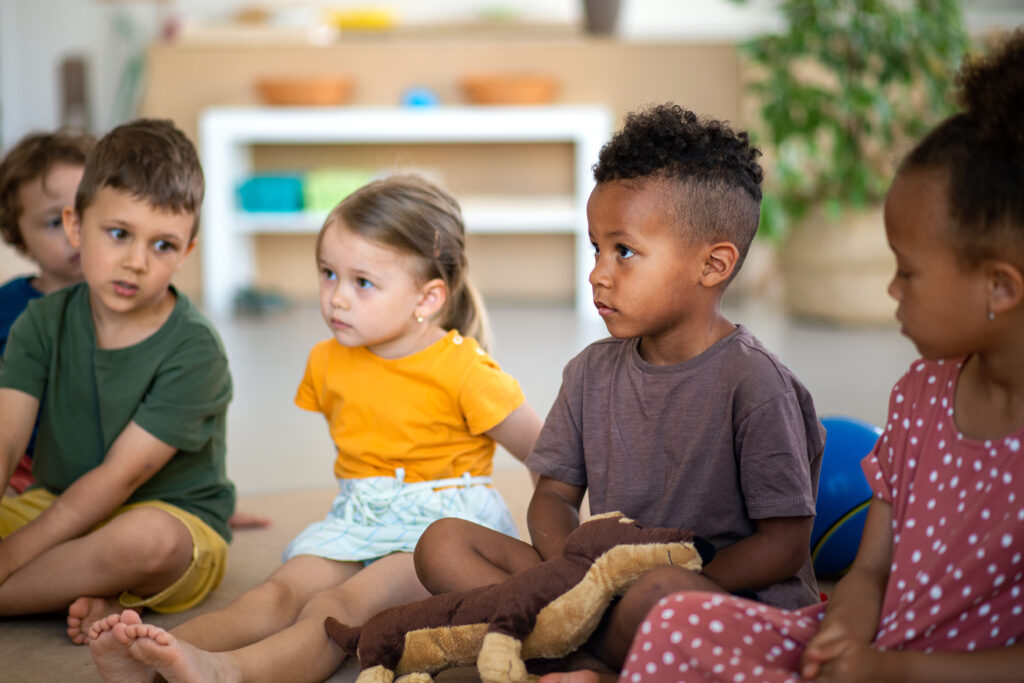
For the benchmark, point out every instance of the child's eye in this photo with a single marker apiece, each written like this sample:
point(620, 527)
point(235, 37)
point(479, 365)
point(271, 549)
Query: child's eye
point(363, 283)
point(164, 245)
point(327, 274)
point(55, 223)
point(597, 249)
point(623, 251)
point(117, 233)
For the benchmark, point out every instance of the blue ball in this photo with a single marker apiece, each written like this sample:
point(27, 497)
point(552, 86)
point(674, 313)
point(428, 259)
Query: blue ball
point(843, 495)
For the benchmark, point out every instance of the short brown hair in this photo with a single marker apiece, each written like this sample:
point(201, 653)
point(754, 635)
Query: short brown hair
point(149, 159)
point(33, 157)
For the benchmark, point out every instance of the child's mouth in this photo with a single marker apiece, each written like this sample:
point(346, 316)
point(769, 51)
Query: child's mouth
point(125, 288)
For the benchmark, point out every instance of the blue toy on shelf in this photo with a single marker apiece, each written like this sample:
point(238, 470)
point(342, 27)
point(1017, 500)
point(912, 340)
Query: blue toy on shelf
point(271, 192)
point(843, 495)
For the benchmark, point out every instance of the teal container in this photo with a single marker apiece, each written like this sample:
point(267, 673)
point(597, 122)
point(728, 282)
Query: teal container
point(271, 192)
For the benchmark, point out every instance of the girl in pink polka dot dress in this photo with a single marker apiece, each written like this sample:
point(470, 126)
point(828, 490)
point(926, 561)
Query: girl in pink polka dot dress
point(935, 593)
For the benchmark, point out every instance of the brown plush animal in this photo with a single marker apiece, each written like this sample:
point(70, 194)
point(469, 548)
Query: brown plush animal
point(547, 611)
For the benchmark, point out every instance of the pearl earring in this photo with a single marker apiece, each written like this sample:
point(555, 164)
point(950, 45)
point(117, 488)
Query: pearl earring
point(991, 315)
point(419, 318)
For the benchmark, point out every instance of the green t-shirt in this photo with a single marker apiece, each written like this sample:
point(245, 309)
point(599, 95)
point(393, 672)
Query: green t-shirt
point(175, 384)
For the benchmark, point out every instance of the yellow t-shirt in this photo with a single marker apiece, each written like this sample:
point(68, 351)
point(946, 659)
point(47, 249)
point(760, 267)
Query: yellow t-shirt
point(426, 413)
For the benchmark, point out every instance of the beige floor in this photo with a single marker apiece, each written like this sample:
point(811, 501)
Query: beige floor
point(280, 457)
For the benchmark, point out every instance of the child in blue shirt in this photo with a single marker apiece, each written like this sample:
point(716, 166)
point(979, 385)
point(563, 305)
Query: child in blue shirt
point(38, 178)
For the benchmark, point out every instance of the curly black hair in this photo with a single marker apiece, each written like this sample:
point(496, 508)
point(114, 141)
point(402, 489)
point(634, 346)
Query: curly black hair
point(713, 168)
point(981, 151)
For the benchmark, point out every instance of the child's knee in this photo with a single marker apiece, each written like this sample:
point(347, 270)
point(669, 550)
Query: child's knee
point(660, 582)
point(339, 602)
point(434, 548)
point(150, 540)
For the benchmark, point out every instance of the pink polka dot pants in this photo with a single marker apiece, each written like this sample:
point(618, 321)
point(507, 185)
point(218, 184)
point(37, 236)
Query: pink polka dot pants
point(716, 637)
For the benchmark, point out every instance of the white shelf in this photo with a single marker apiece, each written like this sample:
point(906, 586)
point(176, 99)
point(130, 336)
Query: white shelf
point(228, 133)
point(482, 215)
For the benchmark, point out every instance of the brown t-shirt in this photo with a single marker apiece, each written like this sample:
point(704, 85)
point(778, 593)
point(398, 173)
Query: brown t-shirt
point(710, 444)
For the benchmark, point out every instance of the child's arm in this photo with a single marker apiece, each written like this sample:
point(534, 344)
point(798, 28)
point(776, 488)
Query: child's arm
point(842, 652)
point(864, 663)
point(780, 546)
point(553, 513)
point(133, 458)
point(518, 432)
point(851, 618)
point(17, 416)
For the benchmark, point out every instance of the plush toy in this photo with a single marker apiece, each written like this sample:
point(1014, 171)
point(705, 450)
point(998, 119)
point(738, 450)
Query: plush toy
point(547, 611)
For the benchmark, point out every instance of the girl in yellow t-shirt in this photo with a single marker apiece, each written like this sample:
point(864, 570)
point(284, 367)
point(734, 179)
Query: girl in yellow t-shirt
point(414, 405)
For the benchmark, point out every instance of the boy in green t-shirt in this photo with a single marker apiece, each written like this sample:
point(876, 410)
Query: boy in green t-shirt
point(132, 500)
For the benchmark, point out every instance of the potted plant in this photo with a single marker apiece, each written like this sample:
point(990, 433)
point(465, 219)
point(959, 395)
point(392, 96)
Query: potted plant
point(842, 92)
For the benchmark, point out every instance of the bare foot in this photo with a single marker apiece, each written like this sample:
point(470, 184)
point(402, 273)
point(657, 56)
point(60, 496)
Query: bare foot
point(108, 645)
point(176, 660)
point(579, 677)
point(246, 520)
point(83, 612)
point(107, 623)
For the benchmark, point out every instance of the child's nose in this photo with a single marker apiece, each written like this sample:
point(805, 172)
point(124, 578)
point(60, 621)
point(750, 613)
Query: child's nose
point(599, 274)
point(339, 298)
point(135, 259)
point(894, 289)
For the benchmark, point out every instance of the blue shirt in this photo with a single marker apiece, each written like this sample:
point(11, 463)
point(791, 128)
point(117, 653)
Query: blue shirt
point(14, 297)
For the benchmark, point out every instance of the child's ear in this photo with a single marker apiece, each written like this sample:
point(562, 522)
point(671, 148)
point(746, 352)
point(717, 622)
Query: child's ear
point(1006, 287)
point(719, 262)
point(432, 297)
point(72, 226)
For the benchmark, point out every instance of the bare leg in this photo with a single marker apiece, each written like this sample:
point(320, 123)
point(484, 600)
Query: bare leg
point(456, 555)
point(176, 661)
point(143, 550)
point(613, 637)
point(272, 606)
point(302, 652)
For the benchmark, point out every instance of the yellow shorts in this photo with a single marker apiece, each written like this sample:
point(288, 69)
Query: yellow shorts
point(209, 549)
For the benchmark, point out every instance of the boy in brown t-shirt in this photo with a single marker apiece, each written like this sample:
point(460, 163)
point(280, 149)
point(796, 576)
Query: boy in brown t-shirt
point(682, 418)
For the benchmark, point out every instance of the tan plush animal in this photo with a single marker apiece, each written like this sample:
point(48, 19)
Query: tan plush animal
point(546, 612)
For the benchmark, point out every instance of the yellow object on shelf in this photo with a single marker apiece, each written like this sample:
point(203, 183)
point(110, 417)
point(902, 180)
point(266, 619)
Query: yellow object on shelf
point(362, 19)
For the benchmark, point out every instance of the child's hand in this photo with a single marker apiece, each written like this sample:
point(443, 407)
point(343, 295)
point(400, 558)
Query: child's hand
point(830, 641)
point(833, 656)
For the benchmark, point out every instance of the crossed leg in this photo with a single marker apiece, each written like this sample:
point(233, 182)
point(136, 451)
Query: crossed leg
point(300, 652)
point(143, 550)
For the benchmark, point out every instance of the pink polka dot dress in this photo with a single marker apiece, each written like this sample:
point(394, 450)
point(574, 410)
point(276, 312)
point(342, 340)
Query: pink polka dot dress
point(957, 573)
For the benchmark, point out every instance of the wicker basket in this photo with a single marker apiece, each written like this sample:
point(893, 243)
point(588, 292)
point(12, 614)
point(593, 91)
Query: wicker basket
point(509, 89)
point(304, 91)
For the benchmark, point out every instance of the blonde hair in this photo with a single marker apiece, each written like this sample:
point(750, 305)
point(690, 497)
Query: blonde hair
point(409, 213)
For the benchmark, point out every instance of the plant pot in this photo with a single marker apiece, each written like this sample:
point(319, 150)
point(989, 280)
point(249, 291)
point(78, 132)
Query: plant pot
point(838, 270)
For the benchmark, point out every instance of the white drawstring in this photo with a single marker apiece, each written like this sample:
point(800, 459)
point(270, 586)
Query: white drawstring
point(367, 500)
